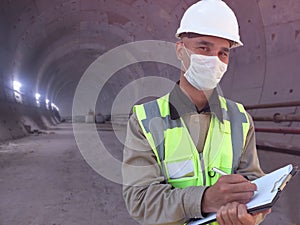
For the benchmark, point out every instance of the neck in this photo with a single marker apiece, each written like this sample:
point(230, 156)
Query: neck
point(198, 97)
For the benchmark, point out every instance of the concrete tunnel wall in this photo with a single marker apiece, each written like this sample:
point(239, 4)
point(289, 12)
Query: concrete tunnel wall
point(20, 119)
point(47, 45)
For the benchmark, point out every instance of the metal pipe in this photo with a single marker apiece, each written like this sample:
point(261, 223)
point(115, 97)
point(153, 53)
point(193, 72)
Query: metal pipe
point(279, 150)
point(277, 118)
point(278, 130)
point(273, 105)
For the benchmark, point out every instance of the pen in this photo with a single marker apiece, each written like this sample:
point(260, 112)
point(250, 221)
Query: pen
point(219, 171)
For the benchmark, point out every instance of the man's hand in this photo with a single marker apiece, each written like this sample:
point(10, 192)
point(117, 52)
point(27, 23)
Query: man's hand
point(229, 188)
point(236, 214)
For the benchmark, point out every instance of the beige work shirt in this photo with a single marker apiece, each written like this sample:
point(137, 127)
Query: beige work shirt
point(148, 199)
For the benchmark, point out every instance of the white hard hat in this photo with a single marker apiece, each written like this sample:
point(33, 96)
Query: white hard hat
point(213, 18)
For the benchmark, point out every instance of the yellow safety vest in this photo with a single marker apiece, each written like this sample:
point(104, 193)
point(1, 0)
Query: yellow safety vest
point(180, 162)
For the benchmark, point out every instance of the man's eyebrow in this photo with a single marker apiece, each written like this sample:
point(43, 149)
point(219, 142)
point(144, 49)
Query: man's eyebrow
point(207, 43)
point(226, 49)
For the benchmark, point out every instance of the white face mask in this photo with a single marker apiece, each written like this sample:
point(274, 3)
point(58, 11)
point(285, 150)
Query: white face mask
point(205, 72)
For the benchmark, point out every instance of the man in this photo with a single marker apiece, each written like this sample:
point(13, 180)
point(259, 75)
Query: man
point(174, 142)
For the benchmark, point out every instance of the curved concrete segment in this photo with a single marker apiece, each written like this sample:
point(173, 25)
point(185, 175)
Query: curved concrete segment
point(21, 115)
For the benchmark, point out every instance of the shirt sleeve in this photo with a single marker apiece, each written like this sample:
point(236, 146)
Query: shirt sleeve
point(249, 165)
point(148, 199)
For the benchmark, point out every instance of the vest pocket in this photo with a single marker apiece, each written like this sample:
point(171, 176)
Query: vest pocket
point(180, 169)
point(181, 173)
point(183, 182)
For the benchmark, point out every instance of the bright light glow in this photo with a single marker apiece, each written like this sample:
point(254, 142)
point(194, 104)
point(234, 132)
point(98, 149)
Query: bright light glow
point(54, 106)
point(17, 86)
point(47, 103)
point(37, 96)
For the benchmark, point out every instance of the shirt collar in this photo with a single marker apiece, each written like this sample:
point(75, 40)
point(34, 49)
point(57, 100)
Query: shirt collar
point(180, 104)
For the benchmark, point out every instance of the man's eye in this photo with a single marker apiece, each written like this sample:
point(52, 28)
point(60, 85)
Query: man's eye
point(224, 54)
point(204, 49)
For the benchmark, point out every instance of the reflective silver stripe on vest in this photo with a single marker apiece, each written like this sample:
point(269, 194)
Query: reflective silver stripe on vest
point(156, 125)
point(236, 119)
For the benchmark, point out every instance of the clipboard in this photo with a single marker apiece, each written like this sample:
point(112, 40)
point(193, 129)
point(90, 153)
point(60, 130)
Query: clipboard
point(268, 191)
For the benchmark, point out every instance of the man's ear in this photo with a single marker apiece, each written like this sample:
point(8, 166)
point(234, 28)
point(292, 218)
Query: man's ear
point(179, 50)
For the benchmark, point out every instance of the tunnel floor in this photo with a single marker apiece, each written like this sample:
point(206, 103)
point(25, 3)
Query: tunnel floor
point(44, 180)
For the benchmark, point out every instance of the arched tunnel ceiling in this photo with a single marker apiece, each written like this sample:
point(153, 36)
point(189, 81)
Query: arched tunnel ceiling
point(45, 31)
point(48, 45)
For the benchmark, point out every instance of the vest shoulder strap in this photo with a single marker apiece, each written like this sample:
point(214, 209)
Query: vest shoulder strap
point(154, 119)
point(236, 114)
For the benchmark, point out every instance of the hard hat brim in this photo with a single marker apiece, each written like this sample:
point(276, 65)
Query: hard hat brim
point(236, 43)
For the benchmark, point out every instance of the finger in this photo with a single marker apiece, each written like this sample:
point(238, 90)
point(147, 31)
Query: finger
point(243, 215)
point(265, 212)
point(259, 217)
point(233, 179)
point(240, 197)
point(233, 213)
point(219, 216)
point(268, 211)
point(225, 214)
point(244, 187)
point(227, 187)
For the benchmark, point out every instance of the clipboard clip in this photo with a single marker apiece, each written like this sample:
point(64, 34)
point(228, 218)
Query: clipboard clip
point(278, 181)
point(287, 177)
point(286, 180)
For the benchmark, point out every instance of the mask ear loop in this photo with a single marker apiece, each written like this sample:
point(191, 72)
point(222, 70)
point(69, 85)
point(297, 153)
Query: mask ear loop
point(182, 63)
point(189, 55)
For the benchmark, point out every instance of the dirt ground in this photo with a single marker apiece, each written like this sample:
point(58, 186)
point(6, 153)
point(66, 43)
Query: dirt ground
point(44, 180)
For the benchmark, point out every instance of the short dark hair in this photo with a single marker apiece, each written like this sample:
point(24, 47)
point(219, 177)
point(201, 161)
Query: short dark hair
point(189, 35)
point(194, 35)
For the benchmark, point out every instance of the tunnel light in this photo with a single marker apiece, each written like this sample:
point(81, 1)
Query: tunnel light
point(17, 91)
point(37, 98)
point(47, 103)
point(54, 107)
point(17, 86)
